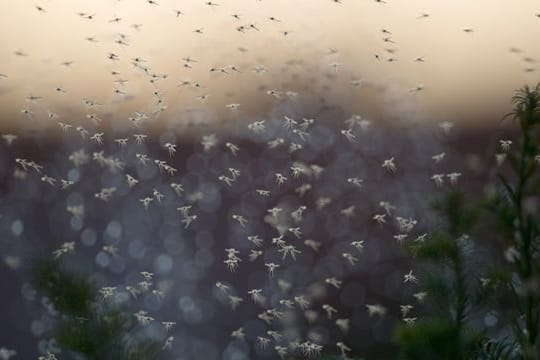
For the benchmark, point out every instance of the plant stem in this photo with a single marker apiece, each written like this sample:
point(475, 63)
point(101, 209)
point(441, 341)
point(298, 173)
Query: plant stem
point(525, 243)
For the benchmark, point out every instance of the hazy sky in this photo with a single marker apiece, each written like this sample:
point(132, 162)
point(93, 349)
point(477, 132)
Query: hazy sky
point(463, 75)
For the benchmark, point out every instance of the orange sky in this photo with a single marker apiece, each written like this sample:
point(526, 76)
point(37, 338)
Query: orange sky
point(463, 74)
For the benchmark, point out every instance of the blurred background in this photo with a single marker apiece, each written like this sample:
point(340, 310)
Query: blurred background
point(334, 88)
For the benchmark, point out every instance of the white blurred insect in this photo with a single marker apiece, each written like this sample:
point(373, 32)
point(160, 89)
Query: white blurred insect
point(171, 148)
point(405, 309)
point(410, 277)
point(233, 148)
point(254, 255)
point(238, 334)
point(287, 303)
point(439, 157)
point(438, 179)
point(400, 237)
point(275, 143)
point(380, 218)
point(296, 171)
point(106, 292)
point(131, 181)
point(263, 342)
point(343, 348)
point(168, 325)
point(232, 264)
point(178, 188)
point(139, 138)
point(329, 310)
point(188, 220)
point(49, 180)
point(82, 131)
point(6, 354)
point(257, 126)
point(256, 296)
point(389, 165)
point(289, 123)
point(9, 138)
point(505, 145)
point(302, 302)
point(146, 202)
point(64, 126)
point(359, 245)
point(334, 282)
point(350, 258)
point(348, 212)
point(132, 291)
point(184, 210)
point(348, 133)
point(271, 268)
point(148, 276)
point(235, 301)
point(446, 126)
point(233, 107)
point(314, 245)
point(98, 138)
point(420, 296)
point(110, 249)
point(280, 179)
point(256, 240)
point(282, 351)
point(306, 123)
point(298, 213)
point(105, 194)
point(343, 325)
point(227, 180)
point(289, 250)
point(235, 173)
point(122, 142)
point(264, 193)
point(143, 158)
point(409, 320)
point(275, 335)
point(221, 286)
point(143, 318)
point(67, 247)
point(240, 219)
point(355, 181)
point(375, 309)
point(296, 232)
point(159, 196)
point(453, 177)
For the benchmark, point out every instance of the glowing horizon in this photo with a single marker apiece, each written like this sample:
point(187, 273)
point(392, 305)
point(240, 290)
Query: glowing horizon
point(464, 75)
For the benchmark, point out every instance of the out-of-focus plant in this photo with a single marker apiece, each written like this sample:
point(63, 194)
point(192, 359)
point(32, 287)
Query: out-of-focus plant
point(449, 284)
point(87, 326)
point(510, 285)
point(516, 211)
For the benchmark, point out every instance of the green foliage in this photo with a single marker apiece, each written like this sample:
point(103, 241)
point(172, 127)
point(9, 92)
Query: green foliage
point(510, 285)
point(141, 350)
point(438, 247)
point(459, 215)
point(339, 357)
point(526, 103)
point(520, 224)
point(436, 339)
point(85, 327)
point(70, 293)
point(447, 282)
point(92, 336)
point(503, 349)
